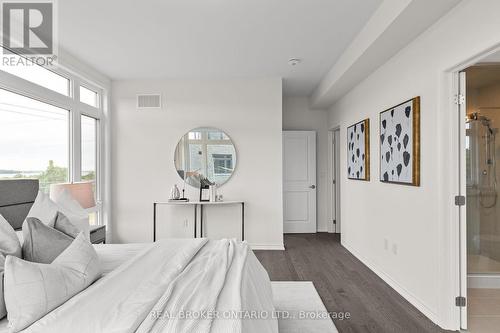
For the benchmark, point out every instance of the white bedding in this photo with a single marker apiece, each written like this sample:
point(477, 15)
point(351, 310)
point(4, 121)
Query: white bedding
point(113, 255)
point(144, 281)
point(110, 257)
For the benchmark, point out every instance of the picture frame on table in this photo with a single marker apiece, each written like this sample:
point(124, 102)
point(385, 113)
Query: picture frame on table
point(204, 193)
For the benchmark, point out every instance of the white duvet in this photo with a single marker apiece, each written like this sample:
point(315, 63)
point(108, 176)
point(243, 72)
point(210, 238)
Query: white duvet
point(173, 286)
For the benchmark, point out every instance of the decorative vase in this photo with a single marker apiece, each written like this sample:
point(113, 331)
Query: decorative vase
point(213, 193)
point(175, 193)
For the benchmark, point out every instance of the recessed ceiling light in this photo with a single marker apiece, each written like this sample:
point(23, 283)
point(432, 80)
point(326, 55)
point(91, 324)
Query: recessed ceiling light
point(294, 61)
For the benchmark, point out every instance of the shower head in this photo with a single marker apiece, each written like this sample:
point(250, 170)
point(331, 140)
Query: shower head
point(485, 121)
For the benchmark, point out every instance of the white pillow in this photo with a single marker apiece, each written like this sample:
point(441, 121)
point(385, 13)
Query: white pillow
point(44, 209)
point(9, 245)
point(20, 236)
point(78, 216)
point(32, 290)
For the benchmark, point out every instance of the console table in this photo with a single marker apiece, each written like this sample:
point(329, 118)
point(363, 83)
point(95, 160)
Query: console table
point(201, 204)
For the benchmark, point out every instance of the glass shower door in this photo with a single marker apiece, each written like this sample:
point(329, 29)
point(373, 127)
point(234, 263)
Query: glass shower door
point(483, 211)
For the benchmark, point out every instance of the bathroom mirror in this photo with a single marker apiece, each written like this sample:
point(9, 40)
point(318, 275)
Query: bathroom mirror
point(205, 156)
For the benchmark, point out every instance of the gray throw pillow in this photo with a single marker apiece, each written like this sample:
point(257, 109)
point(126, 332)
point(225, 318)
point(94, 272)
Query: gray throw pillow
point(63, 224)
point(42, 244)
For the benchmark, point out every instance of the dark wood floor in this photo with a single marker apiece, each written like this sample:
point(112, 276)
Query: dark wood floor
point(344, 284)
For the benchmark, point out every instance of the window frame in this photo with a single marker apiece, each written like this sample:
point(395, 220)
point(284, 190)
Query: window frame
point(56, 71)
point(92, 89)
point(76, 109)
point(225, 159)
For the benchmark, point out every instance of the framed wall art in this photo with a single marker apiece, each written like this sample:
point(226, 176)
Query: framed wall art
point(400, 143)
point(358, 150)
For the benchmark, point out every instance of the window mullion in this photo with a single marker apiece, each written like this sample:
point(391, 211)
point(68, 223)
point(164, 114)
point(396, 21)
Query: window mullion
point(76, 140)
point(98, 161)
point(205, 152)
point(88, 110)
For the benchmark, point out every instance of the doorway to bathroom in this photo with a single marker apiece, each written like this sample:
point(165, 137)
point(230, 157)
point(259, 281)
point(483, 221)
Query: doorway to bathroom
point(481, 98)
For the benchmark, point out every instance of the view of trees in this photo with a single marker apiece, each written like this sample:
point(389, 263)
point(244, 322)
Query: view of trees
point(53, 175)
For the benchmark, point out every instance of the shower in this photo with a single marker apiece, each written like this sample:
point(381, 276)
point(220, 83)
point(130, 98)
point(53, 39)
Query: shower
point(482, 160)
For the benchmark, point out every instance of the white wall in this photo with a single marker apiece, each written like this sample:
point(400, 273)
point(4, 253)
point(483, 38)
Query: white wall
point(143, 144)
point(297, 115)
point(418, 220)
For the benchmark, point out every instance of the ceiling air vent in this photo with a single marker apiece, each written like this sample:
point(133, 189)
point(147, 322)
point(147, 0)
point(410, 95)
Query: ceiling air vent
point(149, 101)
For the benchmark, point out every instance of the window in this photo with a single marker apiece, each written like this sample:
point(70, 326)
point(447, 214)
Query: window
point(195, 136)
point(25, 69)
point(89, 97)
point(223, 164)
point(89, 149)
point(195, 157)
point(34, 140)
point(50, 137)
point(217, 136)
point(88, 158)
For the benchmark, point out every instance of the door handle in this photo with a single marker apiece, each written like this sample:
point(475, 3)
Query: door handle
point(312, 186)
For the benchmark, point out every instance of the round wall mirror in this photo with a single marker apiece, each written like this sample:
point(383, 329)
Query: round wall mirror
point(205, 156)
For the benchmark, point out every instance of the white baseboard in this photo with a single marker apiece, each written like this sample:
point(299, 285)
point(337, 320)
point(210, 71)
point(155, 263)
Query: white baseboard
point(276, 247)
point(415, 301)
point(483, 281)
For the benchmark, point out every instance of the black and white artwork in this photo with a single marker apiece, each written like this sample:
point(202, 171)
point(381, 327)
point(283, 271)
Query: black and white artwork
point(400, 143)
point(358, 150)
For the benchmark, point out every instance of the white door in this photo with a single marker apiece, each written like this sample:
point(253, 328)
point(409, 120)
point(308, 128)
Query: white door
point(299, 181)
point(461, 192)
point(336, 180)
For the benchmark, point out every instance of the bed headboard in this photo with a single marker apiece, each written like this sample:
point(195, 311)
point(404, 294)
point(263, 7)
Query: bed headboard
point(16, 198)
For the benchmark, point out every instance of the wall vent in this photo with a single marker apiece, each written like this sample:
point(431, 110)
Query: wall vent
point(149, 101)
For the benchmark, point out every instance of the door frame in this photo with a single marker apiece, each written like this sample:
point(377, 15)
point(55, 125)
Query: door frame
point(334, 192)
point(461, 110)
point(452, 125)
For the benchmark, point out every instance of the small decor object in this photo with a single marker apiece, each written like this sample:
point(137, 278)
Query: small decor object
point(213, 193)
point(205, 188)
point(175, 194)
point(358, 150)
point(400, 143)
point(219, 198)
point(204, 193)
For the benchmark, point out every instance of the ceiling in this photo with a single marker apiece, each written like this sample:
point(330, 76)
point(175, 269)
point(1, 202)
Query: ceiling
point(212, 39)
point(485, 73)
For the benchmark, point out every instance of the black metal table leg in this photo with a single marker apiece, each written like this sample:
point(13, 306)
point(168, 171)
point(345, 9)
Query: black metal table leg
point(201, 221)
point(154, 221)
point(242, 221)
point(195, 218)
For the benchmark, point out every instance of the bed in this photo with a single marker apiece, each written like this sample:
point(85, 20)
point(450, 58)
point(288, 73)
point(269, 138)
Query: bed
point(172, 285)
